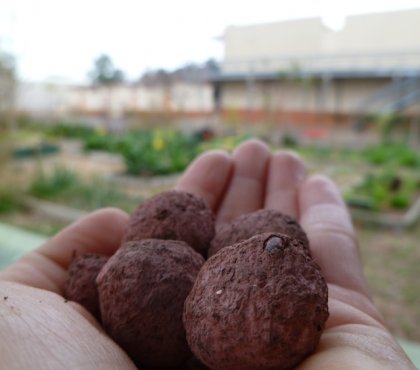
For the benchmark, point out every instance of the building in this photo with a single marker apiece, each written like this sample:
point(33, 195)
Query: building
point(60, 100)
point(302, 71)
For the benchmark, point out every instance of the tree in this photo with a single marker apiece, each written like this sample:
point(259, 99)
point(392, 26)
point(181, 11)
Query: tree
point(104, 72)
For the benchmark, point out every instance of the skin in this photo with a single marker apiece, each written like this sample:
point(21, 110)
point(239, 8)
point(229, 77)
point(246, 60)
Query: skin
point(36, 320)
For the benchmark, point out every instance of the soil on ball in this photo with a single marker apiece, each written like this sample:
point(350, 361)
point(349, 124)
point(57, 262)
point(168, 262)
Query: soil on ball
point(81, 282)
point(142, 290)
point(258, 222)
point(259, 304)
point(173, 215)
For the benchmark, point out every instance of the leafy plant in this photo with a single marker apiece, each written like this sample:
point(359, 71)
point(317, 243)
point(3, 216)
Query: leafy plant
point(64, 186)
point(70, 130)
point(289, 140)
point(157, 152)
point(393, 154)
point(9, 200)
point(45, 186)
point(384, 189)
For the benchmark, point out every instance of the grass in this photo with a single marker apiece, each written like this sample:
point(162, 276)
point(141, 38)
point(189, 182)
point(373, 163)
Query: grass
point(391, 260)
point(9, 200)
point(64, 186)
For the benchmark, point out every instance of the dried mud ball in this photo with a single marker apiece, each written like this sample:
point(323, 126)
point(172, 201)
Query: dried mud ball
point(259, 304)
point(174, 215)
point(80, 285)
point(142, 290)
point(250, 224)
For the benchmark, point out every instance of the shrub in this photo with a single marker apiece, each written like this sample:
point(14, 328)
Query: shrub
point(46, 186)
point(157, 152)
point(9, 200)
point(384, 189)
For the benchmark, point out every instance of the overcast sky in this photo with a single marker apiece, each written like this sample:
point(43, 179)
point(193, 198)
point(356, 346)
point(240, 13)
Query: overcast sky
point(56, 39)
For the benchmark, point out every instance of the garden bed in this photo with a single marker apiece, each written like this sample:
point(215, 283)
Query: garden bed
point(397, 220)
point(387, 196)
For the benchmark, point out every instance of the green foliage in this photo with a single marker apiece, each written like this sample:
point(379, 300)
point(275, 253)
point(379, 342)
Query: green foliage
point(99, 141)
point(289, 140)
point(384, 189)
point(104, 72)
point(9, 200)
point(393, 154)
point(157, 152)
point(400, 201)
point(50, 185)
point(147, 152)
point(70, 130)
point(40, 149)
point(64, 186)
point(387, 124)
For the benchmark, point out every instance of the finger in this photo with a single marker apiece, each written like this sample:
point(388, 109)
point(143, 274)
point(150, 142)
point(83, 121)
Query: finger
point(327, 222)
point(46, 267)
point(207, 177)
point(246, 190)
point(286, 171)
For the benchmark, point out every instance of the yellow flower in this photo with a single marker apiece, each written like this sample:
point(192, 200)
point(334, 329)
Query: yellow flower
point(101, 131)
point(158, 144)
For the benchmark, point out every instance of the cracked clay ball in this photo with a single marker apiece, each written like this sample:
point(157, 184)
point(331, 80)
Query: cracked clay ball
point(80, 285)
point(174, 215)
point(142, 289)
point(250, 224)
point(259, 304)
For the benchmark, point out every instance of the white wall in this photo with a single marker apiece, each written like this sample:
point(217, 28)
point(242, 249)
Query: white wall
point(116, 100)
point(42, 98)
point(375, 40)
point(340, 96)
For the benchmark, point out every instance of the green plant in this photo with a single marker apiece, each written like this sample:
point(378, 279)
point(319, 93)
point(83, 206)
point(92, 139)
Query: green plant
point(49, 185)
point(157, 152)
point(289, 140)
point(384, 189)
point(397, 154)
point(400, 201)
point(99, 141)
point(9, 200)
point(65, 186)
point(70, 130)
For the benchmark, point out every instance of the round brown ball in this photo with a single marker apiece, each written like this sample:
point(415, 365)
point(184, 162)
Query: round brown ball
point(142, 290)
point(173, 215)
point(258, 222)
point(259, 304)
point(81, 282)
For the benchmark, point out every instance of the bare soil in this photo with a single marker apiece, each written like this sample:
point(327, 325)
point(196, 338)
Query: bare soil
point(391, 260)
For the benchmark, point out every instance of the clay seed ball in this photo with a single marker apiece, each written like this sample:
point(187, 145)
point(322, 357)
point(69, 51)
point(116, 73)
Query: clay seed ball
point(173, 215)
point(80, 285)
point(142, 289)
point(259, 304)
point(250, 224)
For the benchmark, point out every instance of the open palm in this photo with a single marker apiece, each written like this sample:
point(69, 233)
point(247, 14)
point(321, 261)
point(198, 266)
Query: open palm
point(40, 330)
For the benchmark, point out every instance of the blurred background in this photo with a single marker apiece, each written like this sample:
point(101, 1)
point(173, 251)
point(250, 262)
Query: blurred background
point(106, 103)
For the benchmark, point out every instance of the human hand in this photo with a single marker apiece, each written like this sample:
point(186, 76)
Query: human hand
point(40, 330)
point(252, 178)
